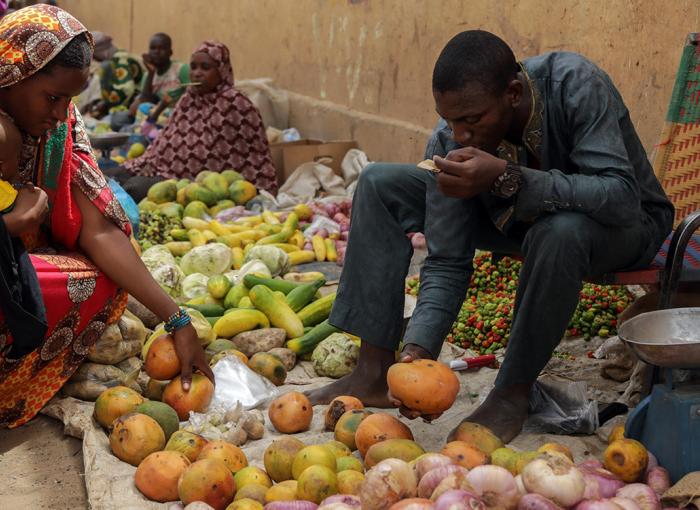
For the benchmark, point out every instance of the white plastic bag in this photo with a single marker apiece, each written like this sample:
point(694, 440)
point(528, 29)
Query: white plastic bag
point(236, 382)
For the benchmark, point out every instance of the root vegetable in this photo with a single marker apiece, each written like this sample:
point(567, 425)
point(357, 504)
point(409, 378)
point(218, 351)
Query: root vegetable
point(291, 505)
point(455, 481)
point(625, 503)
point(340, 502)
point(597, 504)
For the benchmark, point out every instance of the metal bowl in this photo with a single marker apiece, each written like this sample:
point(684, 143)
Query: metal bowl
point(665, 338)
point(109, 140)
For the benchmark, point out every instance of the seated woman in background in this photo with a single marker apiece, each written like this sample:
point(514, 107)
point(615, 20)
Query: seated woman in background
point(213, 127)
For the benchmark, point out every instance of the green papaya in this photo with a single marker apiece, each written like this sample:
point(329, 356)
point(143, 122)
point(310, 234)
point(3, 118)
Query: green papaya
point(171, 209)
point(220, 206)
point(195, 191)
point(182, 183)
point(147, 205)
point(231, 176)
point(196, 209)
point(202, 175)
point(217, 184)
point(162, 192)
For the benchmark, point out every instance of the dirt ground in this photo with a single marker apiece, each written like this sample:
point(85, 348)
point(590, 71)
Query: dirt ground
point(41, 468)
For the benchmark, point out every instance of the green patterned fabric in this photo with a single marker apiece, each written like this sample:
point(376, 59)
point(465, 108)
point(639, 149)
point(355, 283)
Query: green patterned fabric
point(53, 156)
point(685, 99)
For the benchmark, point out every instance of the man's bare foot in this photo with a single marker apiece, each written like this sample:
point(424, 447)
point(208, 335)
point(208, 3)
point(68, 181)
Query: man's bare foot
point(367, 382)
point(504, 412)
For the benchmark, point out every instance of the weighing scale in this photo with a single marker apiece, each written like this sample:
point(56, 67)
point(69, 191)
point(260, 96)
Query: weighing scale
point(106, 142)
point(667, 421)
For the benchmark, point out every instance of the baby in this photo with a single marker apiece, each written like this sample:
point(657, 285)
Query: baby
point(10, 148)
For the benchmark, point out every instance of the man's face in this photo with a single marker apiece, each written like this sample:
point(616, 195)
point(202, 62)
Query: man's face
point(478, 117)
point(39, 103)
point(159, 51)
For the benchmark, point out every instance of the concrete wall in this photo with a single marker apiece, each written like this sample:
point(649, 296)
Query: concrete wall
point(370, 60)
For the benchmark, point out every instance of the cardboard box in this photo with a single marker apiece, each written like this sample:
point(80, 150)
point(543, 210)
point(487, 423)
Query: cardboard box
point(288, 156)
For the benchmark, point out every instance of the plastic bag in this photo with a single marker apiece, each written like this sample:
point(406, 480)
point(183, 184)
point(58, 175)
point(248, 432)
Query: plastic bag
point(128, 204)
point(560, 406)
point(119, 341)
point(321, 222)
point(91, 379)
point(236, 382)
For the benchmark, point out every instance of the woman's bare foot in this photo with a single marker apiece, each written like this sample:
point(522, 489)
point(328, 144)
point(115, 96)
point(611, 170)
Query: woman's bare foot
point(504, 412)
point(367, 382)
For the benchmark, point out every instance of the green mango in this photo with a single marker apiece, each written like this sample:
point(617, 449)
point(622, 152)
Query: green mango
point(196, 191)
point(202, 175)
point(182, 183)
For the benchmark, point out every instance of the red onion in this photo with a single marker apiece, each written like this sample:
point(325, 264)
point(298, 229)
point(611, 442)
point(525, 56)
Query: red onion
point(597, 504)
point(652, 462)
point(590, 463)
point(340, 502)
point(387, 483)
point(519, 483)
point(413, 504)
point(643, 495)
point(495, 486)
point(418, 241)
point(625, 503)
point(291, 505)
point(458, 500)
point(322, 232)
point(455, 481)
point(600, 483)
point(308, 246)
point(427, 462)
point(430, 480)
point(658, 479)
point(537, 502)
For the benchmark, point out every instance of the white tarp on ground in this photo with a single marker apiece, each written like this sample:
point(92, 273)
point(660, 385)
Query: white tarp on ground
point(110, 482)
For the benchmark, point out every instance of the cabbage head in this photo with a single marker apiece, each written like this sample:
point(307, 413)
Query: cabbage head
point(276, 259)
point(336, 356)
point(254, 266)
point(194, 285)
point(209, 259)
point(157, 255)
point(169, 277)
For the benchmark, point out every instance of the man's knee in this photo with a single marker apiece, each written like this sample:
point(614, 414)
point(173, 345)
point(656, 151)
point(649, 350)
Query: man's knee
point(559, 234)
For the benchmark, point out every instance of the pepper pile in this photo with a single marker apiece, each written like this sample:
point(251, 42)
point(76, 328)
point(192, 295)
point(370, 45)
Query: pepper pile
point(155, 227)
point(483, 323)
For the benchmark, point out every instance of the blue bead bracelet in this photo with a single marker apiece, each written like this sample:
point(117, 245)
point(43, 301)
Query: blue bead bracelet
point(178, 320)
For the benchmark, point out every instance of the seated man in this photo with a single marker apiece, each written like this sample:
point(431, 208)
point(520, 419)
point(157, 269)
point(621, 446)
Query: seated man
point(539, 158)
point(163, 82)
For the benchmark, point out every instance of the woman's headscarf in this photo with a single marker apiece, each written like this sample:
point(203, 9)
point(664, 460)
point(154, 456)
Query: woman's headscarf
point(31, 37)
point(215, 131)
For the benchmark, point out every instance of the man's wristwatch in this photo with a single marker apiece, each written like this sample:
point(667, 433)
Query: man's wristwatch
point(508, 183)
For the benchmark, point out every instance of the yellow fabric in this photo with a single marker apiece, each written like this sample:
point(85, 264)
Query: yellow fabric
point(8, 194)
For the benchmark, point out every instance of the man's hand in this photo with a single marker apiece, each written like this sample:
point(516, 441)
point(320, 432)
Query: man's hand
point(191, 356)
point(409, 353)
point(150, 66)
point(467, 172)
point(29, 212)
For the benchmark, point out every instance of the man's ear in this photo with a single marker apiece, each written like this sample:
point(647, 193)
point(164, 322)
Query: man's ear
point(514, 92)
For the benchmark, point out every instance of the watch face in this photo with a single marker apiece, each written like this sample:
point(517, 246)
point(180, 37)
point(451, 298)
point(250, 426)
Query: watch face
point(509, 187)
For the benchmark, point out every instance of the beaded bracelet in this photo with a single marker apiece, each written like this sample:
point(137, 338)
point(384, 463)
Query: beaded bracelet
point(178, 320)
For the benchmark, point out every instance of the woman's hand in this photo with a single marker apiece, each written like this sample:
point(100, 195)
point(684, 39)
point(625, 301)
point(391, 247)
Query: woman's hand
point(191, 355)
point(29, 212)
